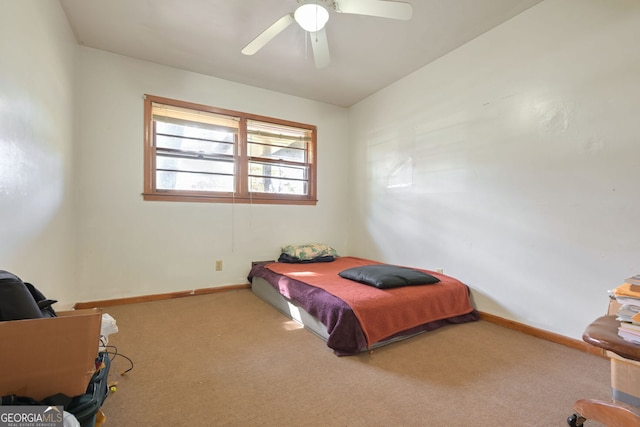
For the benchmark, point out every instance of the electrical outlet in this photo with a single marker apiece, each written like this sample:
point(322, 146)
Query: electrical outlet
point(218, 265)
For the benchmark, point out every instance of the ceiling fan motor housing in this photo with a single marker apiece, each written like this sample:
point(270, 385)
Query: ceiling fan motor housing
point(311, 15)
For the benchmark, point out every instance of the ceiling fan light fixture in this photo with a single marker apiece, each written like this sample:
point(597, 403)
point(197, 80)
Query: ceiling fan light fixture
point(311, 16)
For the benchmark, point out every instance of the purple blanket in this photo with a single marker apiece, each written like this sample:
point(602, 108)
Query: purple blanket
point(345, 334)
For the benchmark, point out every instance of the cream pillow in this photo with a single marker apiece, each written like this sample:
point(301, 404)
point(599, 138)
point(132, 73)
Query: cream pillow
point(309, 251)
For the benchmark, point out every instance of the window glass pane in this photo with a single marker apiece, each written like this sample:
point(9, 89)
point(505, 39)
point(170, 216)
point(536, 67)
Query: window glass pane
point(277, 186)
point(194, 146)
point(195, 130)
point(278, 140)
point(277, 171)
point(277, 153)
point(194, 165)
point(186, 181)
point(178, 137)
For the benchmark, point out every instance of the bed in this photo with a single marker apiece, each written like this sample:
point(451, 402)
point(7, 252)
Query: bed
point(351, 316)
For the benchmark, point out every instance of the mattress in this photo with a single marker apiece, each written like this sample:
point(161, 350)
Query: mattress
point(312, 295)
point(267, 293)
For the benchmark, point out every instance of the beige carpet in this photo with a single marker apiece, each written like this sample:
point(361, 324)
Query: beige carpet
point(229, 359)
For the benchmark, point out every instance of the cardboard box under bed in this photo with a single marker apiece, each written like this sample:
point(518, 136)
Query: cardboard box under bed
point(43, 357)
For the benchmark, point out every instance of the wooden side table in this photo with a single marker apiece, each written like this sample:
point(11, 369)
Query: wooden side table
point(603, 333)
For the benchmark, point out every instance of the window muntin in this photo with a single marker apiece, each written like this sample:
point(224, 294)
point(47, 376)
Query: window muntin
point(200, 153)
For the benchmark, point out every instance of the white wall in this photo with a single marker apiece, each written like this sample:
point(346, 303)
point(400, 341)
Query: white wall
point(130, 247)
point(512, 163)
point(36, 146)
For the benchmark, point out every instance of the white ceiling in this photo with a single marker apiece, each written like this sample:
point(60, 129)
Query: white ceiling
point(206, 36)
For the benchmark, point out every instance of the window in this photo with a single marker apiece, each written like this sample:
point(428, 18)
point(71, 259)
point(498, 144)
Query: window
point(198, 153)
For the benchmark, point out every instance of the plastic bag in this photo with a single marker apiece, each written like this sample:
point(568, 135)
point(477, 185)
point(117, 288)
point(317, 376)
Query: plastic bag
point(108, 327)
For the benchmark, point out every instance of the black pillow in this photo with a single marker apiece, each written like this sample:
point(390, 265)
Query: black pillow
point(384, 276)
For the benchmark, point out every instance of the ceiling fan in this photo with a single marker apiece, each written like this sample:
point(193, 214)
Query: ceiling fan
point(312, 15)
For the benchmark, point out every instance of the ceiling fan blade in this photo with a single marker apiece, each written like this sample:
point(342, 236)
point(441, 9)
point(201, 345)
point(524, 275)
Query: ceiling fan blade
point(268, 34)
point(380, 8)
point(320, 48)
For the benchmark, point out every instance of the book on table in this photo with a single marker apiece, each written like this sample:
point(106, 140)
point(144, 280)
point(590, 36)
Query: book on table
point(631, 327)
point(634, 280)
point(630, 336)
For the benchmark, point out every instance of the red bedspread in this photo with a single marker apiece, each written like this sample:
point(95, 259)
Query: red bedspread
point(383, 312)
